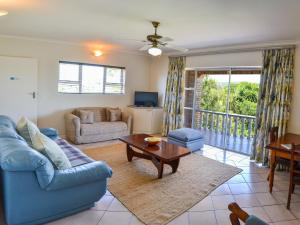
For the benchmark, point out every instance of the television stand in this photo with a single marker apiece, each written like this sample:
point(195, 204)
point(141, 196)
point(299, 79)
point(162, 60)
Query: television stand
point(147, 120)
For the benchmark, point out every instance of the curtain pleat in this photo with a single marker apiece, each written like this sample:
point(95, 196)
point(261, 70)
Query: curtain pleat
point(275, 96)
point(173, 104)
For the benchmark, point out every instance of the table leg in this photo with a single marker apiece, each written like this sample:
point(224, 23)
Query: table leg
point(272, 170)
point(159, 164)
point(174, 164)
point(129, 153)
point(160, 169)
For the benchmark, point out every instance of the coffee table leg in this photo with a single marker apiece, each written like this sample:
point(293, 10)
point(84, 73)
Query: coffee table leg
point(174, 164)
point(159, 164)
point(160, 169)
point(129, 153)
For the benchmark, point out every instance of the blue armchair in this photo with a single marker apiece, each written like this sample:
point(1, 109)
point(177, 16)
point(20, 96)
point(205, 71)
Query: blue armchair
point(34, 192)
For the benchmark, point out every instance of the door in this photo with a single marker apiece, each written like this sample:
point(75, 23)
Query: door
point(18, 87)
point(212, 105)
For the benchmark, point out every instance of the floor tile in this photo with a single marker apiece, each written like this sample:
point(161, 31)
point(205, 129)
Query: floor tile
point(236, 179)
point(253, 177)
point(183, 219)
point(241, 188)
point(204, 205)
point(260, 187)
point(222, 190)
point(291, 222)
point(202, 218)
point(222, 217)
point(278, 213)
point(135, 221)
point(266, 198)
point(281, 197)
point(295, 209)
point(222, 201)
point(91, 217)
point(103, 203)
point(246, 200)
point(115, 218)
point(117, 206)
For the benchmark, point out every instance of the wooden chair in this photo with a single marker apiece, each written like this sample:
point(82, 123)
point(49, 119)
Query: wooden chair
point(238, 214)
point(294, 173)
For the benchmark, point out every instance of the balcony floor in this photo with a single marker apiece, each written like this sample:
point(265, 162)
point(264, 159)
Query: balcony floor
point(234, 144)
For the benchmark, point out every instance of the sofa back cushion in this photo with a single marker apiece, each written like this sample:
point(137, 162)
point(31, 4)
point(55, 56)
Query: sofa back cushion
point(52, 150)
point(86, 116)
point(28, 131)
point(99, 113)
point(114, 115)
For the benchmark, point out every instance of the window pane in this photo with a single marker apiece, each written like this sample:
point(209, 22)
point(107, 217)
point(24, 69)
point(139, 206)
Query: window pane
point(68, 72)
point(114, 89)
point(92, 79)
point(114, 75)
point(68, 88)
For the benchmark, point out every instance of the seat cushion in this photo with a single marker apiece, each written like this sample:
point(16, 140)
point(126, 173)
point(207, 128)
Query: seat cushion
point(185, 134)
point(253, 220)
point(102, 128)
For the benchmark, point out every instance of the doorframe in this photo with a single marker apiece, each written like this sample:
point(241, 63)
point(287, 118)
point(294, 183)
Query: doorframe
point(229, 69)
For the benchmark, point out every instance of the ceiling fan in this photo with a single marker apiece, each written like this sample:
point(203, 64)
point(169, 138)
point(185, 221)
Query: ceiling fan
point(156, 42)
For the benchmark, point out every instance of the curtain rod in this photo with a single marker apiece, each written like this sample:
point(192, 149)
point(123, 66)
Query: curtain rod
point(237, 50)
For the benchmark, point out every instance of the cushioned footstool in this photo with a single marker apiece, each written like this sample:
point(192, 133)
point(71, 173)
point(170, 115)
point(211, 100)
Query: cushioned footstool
point(187, 137)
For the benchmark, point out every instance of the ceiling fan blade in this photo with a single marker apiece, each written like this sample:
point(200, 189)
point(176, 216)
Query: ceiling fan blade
point(165, 39)
point(181, 49)
point(145, 47)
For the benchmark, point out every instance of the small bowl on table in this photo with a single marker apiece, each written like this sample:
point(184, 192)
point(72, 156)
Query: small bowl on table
point(151, 141)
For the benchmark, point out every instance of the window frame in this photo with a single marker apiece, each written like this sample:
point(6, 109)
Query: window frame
point(79, 82)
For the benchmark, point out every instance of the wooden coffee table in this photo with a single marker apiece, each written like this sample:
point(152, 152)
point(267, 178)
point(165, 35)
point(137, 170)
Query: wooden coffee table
point(163, 153)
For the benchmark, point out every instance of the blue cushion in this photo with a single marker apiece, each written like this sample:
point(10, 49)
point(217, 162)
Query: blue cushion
point(185, 134)
point(49, 132)
point(253, 220)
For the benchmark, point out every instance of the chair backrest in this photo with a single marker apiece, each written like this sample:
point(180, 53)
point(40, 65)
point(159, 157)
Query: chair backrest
point(273, 134)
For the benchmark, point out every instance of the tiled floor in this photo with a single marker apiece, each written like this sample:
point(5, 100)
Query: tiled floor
point(249, 189)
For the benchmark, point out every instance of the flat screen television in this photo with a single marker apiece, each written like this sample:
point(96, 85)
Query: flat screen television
point(146, 99)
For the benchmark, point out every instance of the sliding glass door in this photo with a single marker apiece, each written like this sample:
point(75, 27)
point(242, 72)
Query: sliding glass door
point(222, 104)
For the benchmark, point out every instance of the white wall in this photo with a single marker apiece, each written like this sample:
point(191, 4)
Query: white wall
point(52, 105)
point(159, 70)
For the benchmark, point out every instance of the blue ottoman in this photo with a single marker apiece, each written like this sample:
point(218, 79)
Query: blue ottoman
point(187, 137)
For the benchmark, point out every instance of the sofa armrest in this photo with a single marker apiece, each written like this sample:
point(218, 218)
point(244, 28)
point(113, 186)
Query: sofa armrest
point(49, 132)
point(79, 175)
point(72, 124)
point(127, 118)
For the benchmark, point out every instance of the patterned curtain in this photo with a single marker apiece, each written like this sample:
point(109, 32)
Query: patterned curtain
point(274, 99)
point(173, 105)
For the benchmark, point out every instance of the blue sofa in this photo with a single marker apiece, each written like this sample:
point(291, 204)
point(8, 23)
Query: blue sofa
point(33, 191)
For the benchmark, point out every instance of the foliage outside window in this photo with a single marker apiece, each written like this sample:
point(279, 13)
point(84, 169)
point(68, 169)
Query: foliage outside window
point(242, 100)
point(83, 78)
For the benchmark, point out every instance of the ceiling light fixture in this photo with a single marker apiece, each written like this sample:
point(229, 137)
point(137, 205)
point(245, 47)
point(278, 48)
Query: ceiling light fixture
point(3, 12)
point(154, 51)
point(98, 53)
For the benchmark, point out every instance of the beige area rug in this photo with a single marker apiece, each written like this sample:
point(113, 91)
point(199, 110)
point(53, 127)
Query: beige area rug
point(158, 201)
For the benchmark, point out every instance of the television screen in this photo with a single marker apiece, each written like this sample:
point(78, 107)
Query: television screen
point(148, 99)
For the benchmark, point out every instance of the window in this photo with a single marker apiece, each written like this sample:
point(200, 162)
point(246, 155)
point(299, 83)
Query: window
point(90, 78)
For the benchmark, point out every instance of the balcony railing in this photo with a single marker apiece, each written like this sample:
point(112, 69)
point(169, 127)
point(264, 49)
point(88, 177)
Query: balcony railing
point(235, 131)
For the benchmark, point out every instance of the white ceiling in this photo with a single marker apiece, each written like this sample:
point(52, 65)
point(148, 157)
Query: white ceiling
point(191, 23)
